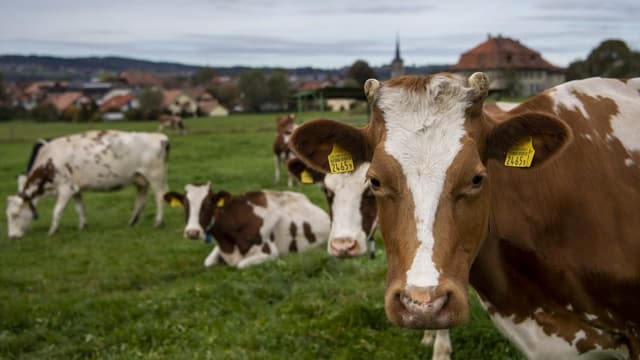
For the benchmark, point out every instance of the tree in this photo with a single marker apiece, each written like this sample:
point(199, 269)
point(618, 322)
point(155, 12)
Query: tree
point(360, 71)
point(278, 85)
point(150, 102)
point(612, 58)
point(227, 94)
point(203, 76)
point(253, 89)
point(4, 95)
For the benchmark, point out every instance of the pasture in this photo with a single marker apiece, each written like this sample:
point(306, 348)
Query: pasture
point(114, 291)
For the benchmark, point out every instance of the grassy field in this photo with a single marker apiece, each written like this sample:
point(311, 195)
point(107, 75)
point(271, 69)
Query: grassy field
point(118, 292)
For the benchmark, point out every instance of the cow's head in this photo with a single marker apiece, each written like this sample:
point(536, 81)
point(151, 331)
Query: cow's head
point(20, 213)
point(428, 143)
point(351, 205)
point(285, 125)
point(200, 205)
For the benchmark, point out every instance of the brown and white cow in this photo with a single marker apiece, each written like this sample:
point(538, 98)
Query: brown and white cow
point(353, 212)
point(253, 227)
point(93, 160)
point(285, 125)
point(174, 122)
point(552, 249)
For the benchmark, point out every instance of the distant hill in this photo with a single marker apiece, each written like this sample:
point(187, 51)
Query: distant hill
point(32, 67)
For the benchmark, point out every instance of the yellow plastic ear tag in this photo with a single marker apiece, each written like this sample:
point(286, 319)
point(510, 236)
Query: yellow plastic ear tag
point(521, 155)
point(220, 202)
point(305, 177)
point(340, 160)
point(175, 202)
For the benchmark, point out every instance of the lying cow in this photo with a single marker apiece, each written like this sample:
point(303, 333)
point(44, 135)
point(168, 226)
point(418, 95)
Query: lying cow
point(174, 122)
point(285, 125)
point(352, 207)
point(94, 160)
point(536, 208)
point(253, 227)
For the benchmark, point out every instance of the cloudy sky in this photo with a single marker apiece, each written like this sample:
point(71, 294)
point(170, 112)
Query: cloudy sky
point(327, 33)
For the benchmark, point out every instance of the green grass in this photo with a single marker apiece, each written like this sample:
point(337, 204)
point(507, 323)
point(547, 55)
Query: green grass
point(113, 291)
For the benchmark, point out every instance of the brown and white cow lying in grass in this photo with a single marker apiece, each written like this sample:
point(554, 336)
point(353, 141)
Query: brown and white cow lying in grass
point(353, 211)
point(536, 208)
point(253, 227)
point(93, 160)
point(285, 125)
point(174, 122)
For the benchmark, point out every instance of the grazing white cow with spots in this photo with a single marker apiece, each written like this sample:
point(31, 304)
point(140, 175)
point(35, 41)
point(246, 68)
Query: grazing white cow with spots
point(285, 125)
point(93, 160)
point(253, 227)
point(536, 208)
point(174, 122)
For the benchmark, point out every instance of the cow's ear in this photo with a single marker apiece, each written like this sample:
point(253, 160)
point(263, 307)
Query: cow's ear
point(174, 198)
point(545, 134)
point(220, 198)
point(303, 173)
point(314, 141)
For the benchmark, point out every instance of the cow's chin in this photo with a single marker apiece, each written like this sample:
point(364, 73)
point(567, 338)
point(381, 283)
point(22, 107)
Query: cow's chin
point(448, 307)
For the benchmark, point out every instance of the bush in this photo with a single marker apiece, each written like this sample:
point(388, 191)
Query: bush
point(45, 112)
point(133, 115)
point(6, 113)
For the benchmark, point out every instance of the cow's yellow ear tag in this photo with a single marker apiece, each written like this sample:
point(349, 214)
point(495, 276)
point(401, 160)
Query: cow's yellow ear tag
point(220, 202)
point(175, 202)
point(305, 177)
point(340, 160)
point(521, 154)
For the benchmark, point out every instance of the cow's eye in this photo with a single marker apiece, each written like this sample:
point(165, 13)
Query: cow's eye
point(375, 184)
point(477, 180)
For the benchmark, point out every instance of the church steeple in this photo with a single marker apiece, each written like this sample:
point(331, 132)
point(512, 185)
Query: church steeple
point(397, 65)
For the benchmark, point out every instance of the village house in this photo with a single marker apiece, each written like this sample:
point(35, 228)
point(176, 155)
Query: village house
point(115, 107)
point(513, 68)
point(178, 102)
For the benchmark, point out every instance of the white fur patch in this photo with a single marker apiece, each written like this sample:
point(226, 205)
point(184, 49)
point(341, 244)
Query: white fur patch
point(348, 189)
point(530, 338)
point(196, 195)
point(629, 162)
point(625, 126)
point(424, 135)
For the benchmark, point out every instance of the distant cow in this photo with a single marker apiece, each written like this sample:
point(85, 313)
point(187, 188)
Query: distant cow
point(353, 211)
point(285, 125)
point(537, 208)
point(93, 160)
point(172, 122)
point(253, 227)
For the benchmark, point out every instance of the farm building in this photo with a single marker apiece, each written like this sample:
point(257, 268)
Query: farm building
point(513, 68)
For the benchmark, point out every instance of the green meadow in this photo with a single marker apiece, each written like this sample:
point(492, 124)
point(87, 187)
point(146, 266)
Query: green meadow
point(117, 292)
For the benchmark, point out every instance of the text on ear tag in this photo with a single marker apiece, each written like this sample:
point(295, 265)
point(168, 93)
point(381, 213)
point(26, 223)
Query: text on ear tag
point(340, 160)
point(521, 154)
point(305, 177)
point(220, 202)
point(175, 202)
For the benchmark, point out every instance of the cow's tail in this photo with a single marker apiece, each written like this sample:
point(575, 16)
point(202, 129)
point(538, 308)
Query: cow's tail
point(34, 153)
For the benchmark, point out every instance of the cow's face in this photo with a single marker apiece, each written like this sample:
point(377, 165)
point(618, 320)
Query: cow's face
point(428, 143)
point(19, 216)
point(352, 207)
point(198, 204)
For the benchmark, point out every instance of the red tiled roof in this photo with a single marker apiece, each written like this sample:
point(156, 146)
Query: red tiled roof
point(116, 102)
point(502, 53)
point(62, 100)
point(312, 85)
point(169, 96)
point(139, 78)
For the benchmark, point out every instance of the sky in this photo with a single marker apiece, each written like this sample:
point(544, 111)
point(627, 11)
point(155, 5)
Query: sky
point(294, 33)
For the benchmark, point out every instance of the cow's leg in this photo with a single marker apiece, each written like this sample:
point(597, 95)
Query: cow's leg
point(427, 337)
point(159, 189)
point(442, 346)
point(213, 258)
point(276, 163)
point(255, 259)
point(141, 200)
point(79, 205)
point(64, 195)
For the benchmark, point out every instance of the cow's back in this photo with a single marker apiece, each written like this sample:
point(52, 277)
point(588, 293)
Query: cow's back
point(105, 159)
point(297, 222)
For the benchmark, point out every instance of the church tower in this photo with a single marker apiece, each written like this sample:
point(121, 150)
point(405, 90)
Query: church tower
point(397, 65)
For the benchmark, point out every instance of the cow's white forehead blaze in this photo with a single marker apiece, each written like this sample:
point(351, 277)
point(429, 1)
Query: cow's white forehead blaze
point(195, 194)
point(348, 189)
point(424, 132)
